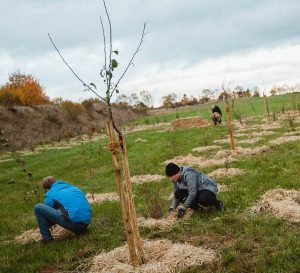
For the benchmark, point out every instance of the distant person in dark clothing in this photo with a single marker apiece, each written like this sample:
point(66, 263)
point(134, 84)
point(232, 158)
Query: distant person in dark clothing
point(216, 114)
point(192, 188)
point(65, 205)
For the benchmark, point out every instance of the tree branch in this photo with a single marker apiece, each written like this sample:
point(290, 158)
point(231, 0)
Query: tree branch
point(130, 62)
point(84, 84)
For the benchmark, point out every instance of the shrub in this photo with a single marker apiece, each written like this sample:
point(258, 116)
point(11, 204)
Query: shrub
point(71, 109)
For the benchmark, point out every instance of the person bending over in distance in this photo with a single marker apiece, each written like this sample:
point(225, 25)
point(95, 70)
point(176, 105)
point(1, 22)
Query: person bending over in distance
point(65, 205)
point(192, 188)
point(216, 115)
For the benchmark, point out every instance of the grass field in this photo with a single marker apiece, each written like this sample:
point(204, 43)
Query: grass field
point(245, 242)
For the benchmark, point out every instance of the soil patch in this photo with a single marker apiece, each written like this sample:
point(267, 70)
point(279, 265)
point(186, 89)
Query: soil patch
point(161, 256)
point(281, 203)
point(102, 197)
point(192, 122)
point(33, 235)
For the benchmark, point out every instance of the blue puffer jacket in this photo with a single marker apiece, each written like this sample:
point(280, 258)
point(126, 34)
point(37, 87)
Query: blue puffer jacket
point(72, 199)
point(193, 181)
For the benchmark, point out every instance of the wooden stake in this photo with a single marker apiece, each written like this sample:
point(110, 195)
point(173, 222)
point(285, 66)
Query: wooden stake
point(135, 261)
point(267, 108)
point(229, 125)
point(131, 207)
point(126, 199)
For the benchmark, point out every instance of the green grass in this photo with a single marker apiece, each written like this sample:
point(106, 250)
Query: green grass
point(245, 242)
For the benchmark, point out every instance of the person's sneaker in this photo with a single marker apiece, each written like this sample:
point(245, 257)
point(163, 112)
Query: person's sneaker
point(221, 207)
point(45, 242)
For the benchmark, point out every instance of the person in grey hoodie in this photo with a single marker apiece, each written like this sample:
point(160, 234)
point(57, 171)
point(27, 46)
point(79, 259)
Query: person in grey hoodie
point(192, 188)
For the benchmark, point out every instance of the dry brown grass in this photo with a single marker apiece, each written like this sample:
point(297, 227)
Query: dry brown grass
point(161, 256)
point(281, 203)
point(206, 148)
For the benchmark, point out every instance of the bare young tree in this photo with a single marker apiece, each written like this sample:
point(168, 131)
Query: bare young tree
point(117, 146)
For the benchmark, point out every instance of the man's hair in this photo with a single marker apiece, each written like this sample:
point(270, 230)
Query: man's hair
point(172, 169)
point(48, 181)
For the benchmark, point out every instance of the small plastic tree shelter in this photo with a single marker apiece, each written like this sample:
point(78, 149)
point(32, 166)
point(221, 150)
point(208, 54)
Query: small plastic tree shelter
point(228, 119)
point(117, 141)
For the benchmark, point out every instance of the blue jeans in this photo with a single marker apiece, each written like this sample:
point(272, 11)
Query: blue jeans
point(47, 217)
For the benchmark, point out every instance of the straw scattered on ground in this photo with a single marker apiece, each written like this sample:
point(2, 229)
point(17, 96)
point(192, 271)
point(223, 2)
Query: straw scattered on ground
point(249, 141)
point(165, 223)
point(137, 128)
point(140, 140)
point(206, 148)
point(224, 172)
point(141, 179)
point(281, 203)
point(223, 188)
point(161, 256)
point(102, 197)
point(284, 139)
point(33, 235)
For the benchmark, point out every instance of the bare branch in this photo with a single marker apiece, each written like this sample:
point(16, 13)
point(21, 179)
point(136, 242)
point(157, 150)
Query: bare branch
point(110, 50)
point(104, 41)
point(84, 84)
point(130, 62)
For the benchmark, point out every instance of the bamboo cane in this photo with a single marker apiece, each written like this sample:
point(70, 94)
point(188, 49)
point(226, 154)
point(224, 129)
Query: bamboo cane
point(229, 125)
point(132, 211)
point(122, 194)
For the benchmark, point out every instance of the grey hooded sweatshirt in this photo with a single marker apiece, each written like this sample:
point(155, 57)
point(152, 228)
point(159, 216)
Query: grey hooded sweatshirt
point(193, 181)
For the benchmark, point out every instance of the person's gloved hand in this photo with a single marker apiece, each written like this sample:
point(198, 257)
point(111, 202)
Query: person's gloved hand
point(181, 212)
point(171, 210)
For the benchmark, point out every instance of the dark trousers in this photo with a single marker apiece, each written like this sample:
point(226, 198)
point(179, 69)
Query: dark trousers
point(204, 197)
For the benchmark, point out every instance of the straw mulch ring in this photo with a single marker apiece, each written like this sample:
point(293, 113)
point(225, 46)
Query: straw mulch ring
point(249, 141)
point(102, 197)
point(224, 172)
point(33, 235)
point(206, 148)
point(282, 203)
point(164, 223)
point(283, 139)
point(141, 179)
point(161, 256)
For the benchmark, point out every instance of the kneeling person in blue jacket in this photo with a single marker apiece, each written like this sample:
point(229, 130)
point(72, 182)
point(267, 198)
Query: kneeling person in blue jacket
point(192, 188)
point(65, 205)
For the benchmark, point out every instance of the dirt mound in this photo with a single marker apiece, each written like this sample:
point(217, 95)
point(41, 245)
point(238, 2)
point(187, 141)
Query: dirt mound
point(102, 197)
point(164, 223)
point(281, 203)
point(205, 148)
point(192, 122)
point(33, 235)
point(161, 256)
point(223, 172)
point(141, 179)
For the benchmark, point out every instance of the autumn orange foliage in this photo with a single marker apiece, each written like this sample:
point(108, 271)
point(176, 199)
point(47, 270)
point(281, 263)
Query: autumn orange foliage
point(24, 90)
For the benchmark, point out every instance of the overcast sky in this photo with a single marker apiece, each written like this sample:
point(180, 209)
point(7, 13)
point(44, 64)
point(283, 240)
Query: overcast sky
point(190, 45)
